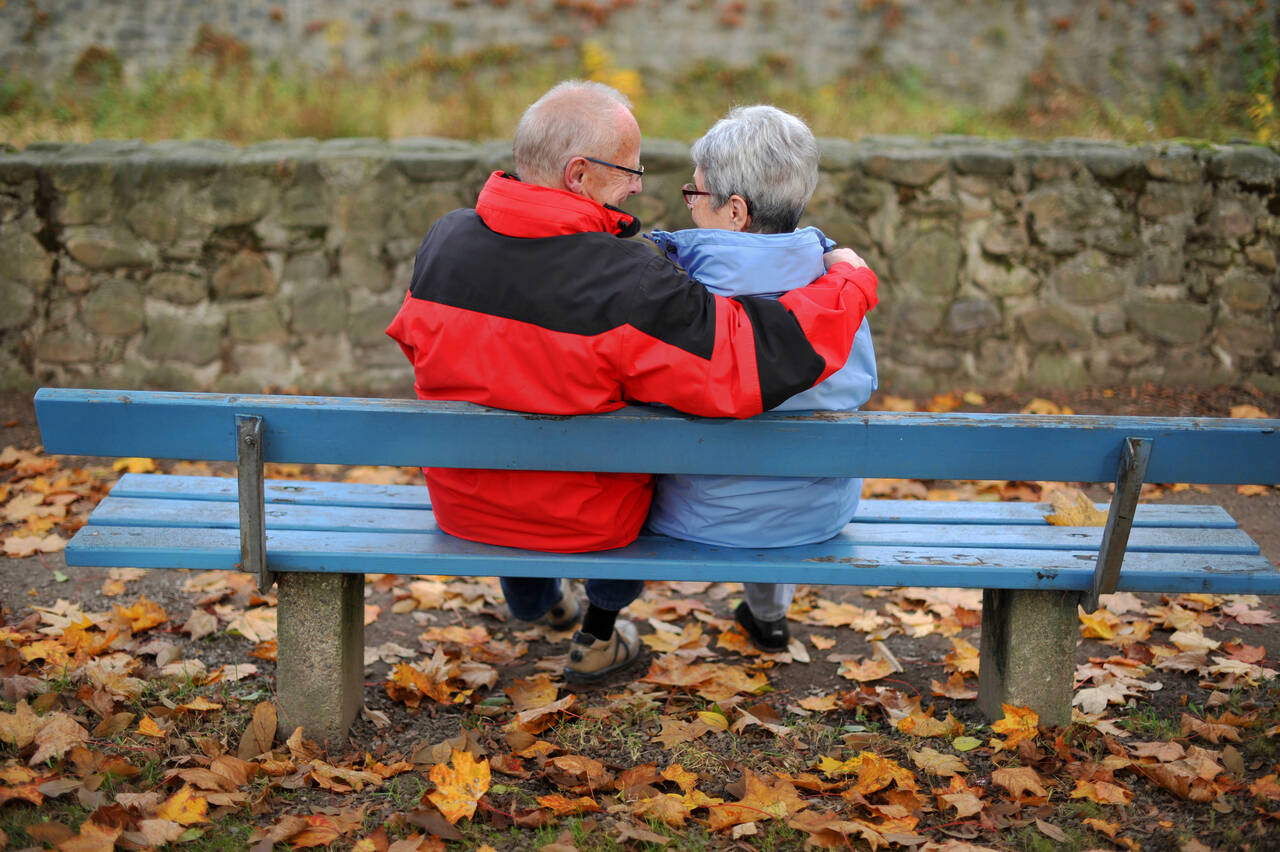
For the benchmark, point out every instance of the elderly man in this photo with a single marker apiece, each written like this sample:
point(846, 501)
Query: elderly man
point(531, 302)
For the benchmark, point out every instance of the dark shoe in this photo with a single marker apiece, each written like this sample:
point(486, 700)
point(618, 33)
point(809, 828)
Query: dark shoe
point(592, 659)
point(769, 636)
point(565, 612)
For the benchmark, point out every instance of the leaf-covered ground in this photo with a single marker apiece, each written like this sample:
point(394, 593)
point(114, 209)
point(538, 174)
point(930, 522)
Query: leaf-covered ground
point(135, 711)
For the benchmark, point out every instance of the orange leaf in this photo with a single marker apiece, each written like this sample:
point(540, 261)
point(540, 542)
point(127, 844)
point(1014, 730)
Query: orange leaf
point(1101, 825)
point(143, 615)
point(1248, 411)
point(200, 704)
point(866, 670)
point(1018, 724)
point(93, 837)
point(184, 807)
point(955, 687)
point(148, 728)
point(562, 805)
point(1102, 792)
point(459, 789)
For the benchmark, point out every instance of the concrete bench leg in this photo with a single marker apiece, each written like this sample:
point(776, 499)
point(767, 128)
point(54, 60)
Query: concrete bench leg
point(1028, 652)
point(320, 654)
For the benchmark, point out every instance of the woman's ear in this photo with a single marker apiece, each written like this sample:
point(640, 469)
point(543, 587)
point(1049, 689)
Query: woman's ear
point(739, 213)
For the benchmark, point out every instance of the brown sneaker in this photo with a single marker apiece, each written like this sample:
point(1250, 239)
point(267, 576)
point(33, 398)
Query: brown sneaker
point(592, 659)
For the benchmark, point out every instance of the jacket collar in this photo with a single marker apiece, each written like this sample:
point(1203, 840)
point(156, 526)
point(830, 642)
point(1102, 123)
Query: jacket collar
point(517, 209)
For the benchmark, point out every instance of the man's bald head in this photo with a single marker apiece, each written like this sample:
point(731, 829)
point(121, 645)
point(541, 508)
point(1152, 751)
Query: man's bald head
point(574, 118)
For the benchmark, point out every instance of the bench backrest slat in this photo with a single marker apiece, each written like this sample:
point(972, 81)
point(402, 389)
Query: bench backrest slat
point(449, 434)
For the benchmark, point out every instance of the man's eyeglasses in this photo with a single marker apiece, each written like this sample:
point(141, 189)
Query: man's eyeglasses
point(690, 192)
point(637, 172)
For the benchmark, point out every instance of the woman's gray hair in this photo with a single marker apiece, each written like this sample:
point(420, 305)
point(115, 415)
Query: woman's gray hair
point(574, 118)
point(767, 156)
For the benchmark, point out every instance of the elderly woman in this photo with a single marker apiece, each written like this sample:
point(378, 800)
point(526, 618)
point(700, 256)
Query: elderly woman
point(754, 172)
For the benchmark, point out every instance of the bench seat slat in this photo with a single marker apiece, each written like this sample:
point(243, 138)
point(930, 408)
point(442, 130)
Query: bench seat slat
point(659, 558)
point(358, 495)
point(127, 511)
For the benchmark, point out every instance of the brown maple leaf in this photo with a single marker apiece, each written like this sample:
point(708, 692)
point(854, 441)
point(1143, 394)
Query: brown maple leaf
point(58, 733)
point(1020, 781)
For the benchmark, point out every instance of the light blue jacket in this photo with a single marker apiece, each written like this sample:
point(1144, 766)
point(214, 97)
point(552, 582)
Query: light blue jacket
point(738, 511)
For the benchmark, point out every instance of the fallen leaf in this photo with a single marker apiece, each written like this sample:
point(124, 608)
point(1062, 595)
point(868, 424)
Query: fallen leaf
point(1019, 781)
point(1102, 792)
point(59, 733)
point(1073, 508)
point(563, 806)
point(1018, 724)
point(867, 670)
point(460, 787)
point(134, 465)
point(184, 807)
point(1248, 412)
point(937, 763)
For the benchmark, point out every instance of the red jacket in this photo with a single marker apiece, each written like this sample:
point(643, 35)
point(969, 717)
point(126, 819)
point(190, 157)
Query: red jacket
point(531, 302)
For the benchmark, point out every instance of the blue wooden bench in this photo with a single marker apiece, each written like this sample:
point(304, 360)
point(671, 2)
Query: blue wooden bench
point(317, 540)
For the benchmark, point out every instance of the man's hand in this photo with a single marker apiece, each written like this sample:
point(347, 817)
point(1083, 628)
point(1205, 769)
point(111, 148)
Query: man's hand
point(843, 255)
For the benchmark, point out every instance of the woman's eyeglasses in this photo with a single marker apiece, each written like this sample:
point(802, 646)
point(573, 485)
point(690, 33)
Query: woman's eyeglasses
point(690, 192)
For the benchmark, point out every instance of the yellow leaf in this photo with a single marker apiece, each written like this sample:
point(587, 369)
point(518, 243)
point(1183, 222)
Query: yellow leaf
point(459, 789)
point(1018, 724)
point(974, 398)
point(1044, 406)
point(714, 719)
point(1073, 508)
point(1096, 625)
point(897, 403)
point(134, 465)
point(1248, 411)
point(184, 807)
point(1253, 490)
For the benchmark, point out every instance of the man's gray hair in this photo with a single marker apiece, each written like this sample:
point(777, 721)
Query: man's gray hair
point(574, 118)
point(767, 156)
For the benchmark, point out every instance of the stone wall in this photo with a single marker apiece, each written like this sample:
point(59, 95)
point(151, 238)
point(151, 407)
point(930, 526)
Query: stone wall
point(1111, 47)
point(202, 266)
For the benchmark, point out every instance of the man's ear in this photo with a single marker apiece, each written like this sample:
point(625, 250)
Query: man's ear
point(573, 173)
